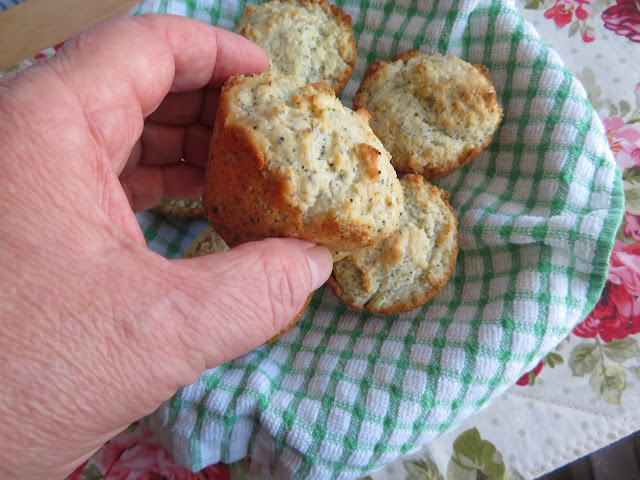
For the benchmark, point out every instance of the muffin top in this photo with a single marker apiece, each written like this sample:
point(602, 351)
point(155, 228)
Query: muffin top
point(410, 267)
point(311, 40)
point(288, 159)
point(433, 113)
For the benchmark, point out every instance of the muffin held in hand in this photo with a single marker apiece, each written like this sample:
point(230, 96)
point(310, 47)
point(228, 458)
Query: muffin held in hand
point(432, 113)
point(289, 160)
point(208, 241)
point(307, 39)
point(191, 207)
point(409, 268)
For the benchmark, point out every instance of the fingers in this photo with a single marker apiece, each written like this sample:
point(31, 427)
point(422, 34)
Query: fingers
point(229, 303)
point(188, 107)
point(179, 108)
point(210, 106)
point(147, 185)
point(236, 54)
point(130, 64)
point(164, 144)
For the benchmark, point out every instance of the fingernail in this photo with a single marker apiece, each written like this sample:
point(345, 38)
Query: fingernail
point(320, 264)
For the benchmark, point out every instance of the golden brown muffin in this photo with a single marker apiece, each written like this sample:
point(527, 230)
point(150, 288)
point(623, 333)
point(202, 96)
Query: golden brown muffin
point(207, 242)
point(308, 39)
point(191, 207)
point(409, 268)
point(432, 113)
point(289, 160)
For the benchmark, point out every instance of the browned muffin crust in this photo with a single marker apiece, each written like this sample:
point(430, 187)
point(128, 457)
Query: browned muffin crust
point(189, 208)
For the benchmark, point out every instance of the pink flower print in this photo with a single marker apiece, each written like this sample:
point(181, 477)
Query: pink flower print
point(581, 13)
point(524, 379)
point(588, 36)
point(139, 456)
point(562, 11)
point(624, 19)
point(624, 269)
point(613, 317)
point(77, 473)
point(622, 140)
point(632, 228)
point(617, 314)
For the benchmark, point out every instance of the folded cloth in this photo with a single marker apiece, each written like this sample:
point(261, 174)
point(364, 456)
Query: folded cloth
point(346, 392)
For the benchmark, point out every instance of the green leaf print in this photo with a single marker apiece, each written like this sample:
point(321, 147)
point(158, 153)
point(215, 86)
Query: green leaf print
point(625, 108)
point(594, 92)
point(515, 475)
point(632, 195)
point(635, 371)
point(533, 5)
point(553, 359)
point(609, 381)
point(475, 458)
point(92, 472)
point(422, 470)
point(573, 29)
point(632, 174)
point(622, 350)
point(240, 471)
point(621, 236)
point(131, 428)
point(583, 359)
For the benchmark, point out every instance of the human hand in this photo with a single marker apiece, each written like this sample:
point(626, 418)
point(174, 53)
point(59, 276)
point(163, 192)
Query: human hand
point(97, 330)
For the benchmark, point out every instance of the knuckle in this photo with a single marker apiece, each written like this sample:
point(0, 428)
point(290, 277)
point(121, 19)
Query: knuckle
point(287, 283)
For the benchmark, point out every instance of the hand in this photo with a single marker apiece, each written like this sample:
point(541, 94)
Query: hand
point(97, 330)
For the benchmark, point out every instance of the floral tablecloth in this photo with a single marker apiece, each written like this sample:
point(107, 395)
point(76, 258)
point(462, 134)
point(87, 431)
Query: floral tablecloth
point(582, 396)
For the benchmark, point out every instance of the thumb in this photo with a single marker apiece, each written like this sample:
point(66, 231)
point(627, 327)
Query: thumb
point(228, 303)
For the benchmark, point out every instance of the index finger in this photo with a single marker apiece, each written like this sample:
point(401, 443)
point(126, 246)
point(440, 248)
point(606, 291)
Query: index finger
point(206, 55)
point(122, 70)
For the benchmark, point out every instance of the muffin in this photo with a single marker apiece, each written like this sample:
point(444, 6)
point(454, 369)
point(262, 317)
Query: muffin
point(191, 207)
point(289, 160)
point(409, 268)
point(432, 113)
point(308, 39)
point(208, 241)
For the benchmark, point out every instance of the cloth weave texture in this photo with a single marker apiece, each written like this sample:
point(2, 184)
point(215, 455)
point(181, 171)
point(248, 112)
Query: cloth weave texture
point(345, 392)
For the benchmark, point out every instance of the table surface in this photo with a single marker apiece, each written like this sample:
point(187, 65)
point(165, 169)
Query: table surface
point(37, 24)
point(582, 396)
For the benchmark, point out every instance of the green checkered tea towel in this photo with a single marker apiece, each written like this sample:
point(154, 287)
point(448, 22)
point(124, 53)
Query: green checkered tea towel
point(345, 392)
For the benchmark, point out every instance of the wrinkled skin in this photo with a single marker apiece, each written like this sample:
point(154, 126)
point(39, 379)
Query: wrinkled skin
point(97, 330)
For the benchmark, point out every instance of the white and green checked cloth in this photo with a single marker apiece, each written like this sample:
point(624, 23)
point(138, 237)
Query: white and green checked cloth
point(346, 392)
